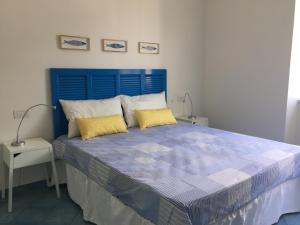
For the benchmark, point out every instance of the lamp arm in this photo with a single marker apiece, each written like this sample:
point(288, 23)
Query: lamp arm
point(191, 102)
point(25, 113)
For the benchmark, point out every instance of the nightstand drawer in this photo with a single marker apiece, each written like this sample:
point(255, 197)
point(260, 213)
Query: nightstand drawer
point(31, 158)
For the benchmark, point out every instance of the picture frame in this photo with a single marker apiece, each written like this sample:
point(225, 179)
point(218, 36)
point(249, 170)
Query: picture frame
point(148, 48)
point(112, 45)
point(74, 42)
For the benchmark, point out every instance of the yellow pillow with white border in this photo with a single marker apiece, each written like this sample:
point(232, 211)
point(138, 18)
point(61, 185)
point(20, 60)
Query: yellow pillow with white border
point(102, 125)
point(147, 101)
point(88, 108)
point(154, 117)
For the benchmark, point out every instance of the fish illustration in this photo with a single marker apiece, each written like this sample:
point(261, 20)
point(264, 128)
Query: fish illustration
point(75, 43)
point(115, 45)
point(149, 48)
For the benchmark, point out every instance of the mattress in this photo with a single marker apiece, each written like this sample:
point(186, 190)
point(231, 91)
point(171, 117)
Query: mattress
point(182, 174)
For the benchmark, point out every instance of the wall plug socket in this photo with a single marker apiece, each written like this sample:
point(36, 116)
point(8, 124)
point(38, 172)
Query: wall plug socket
point(180, 99)
point(17, 114)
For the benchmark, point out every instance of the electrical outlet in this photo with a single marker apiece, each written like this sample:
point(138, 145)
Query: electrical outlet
point(180, 99)
point(17, 114)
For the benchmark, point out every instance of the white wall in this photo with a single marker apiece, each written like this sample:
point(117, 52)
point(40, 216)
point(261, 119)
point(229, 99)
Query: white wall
point(28, 48)
point(292, 128)
point(247, 57)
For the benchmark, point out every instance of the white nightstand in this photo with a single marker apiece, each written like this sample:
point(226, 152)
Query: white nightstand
point(196, 120)
point(35, 151)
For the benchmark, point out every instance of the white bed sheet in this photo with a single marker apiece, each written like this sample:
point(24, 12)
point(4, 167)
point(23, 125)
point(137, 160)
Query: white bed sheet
point(101, 208)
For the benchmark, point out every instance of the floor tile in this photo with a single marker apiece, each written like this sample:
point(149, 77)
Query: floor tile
point(281, 222)
point(64, 213)
point(80, 221)
point(292, 219)
point(31, 216)
point(5, 217)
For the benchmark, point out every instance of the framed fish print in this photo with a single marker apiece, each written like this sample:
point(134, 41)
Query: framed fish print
point(74, 42)
point(148, 48)
point(110, 45)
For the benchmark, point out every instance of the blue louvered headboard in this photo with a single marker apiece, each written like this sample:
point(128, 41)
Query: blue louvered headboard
point(81, 84)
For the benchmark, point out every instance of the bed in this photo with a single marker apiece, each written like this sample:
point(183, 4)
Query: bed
point(170, 175)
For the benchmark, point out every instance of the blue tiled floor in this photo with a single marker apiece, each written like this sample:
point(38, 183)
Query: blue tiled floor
point(290, 219)
point(36, 204)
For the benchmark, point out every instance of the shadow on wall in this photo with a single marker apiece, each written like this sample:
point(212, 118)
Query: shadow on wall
point(292, 129)
point(297, 133)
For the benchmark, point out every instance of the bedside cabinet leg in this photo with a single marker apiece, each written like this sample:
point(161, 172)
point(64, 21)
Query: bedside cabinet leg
point(3, 181)
point(55, 178)
point(10, 189)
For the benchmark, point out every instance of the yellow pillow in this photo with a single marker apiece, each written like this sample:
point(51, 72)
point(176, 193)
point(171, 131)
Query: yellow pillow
point(96, 126)
point(154, 117)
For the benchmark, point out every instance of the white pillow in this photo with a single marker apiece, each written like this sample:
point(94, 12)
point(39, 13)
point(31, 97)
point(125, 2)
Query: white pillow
point(89, 108)
point(149, 101)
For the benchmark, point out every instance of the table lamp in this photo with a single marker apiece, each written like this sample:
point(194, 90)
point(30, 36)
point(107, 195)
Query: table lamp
point(187, 95)
point(19, 142)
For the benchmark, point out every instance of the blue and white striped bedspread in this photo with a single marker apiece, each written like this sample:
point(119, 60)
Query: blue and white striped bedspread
point(182, 174)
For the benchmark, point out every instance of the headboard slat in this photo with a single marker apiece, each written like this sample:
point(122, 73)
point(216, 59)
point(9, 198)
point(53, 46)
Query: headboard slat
point(81, 84)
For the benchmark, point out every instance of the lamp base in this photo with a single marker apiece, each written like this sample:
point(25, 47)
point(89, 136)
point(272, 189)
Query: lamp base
point(19, 143)
point(191, 117)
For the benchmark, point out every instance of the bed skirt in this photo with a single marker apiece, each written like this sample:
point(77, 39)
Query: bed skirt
point(101, 208)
